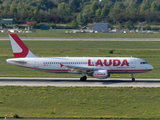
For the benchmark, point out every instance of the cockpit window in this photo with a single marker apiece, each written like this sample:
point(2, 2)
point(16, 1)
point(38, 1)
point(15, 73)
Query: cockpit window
point(143, 63)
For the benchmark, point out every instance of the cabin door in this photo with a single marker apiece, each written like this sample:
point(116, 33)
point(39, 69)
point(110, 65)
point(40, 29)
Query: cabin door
point(36, 63)
point(133, 65)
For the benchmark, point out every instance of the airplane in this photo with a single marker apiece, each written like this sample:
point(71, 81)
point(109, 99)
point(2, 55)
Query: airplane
point(98, 67)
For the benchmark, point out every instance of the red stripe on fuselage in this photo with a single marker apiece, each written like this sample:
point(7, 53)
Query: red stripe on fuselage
point(111, 71)
point(133, 70)
point(24, 48)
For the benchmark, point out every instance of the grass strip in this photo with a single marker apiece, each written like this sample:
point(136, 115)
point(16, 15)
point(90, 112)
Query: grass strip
point(80, 102)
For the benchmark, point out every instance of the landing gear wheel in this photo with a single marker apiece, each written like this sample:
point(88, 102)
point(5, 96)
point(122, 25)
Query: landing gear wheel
point(133, 79)
point(84, 78)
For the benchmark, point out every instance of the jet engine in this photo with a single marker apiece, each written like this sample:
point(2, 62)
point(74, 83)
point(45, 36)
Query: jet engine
point(101, 74)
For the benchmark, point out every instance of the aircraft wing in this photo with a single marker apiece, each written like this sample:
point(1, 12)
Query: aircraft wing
point(82, 68)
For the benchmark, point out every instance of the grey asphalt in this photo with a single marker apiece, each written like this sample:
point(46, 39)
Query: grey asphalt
point(84, 39)
point(68, 82)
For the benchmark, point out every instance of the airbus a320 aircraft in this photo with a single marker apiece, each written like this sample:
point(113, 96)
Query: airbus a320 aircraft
point(98, 67)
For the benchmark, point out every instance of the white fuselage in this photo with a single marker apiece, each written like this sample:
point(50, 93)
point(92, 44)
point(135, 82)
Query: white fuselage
point(70, 64)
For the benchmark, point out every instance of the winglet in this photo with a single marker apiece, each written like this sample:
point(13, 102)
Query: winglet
point(20, 50)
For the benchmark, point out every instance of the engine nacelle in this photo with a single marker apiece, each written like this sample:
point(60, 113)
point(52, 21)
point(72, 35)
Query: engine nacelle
point(102, 74)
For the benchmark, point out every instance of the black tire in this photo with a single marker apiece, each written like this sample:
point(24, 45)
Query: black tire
point(84, 78)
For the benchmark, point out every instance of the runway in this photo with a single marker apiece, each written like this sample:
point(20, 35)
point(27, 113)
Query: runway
point(72, 82)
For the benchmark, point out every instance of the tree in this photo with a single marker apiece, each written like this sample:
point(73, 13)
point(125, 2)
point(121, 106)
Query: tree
point(143, 7)
point(61, 7)
point(104, 11)
point(64, 9)
point(131, 12)
point(129, 25)
point(86, 9)
point(119, 5)
point(155, 6)
point(120, 26)
point(98, 12)
point(75, 4)
point(13, 8)
point(139, 1)
point(148, 3)
point(94, 6)
point(74, 24)
point(117, 15)
point(81, 19)
point(106, 3)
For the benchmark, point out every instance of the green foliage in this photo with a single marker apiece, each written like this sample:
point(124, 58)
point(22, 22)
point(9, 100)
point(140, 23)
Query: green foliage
point(129, 25)
point(15, 116)
point(143, 7)
point(117, 15)
point(64, 11)
point(110, 52)
point(98, 12)
point(119, 5)
point(121, 26)
point(81, 19)
point(94, 6)
point(74, 24)
point(75, 4)
point(104, 11)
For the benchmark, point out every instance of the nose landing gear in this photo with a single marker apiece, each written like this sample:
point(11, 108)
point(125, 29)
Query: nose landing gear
point(133, 79)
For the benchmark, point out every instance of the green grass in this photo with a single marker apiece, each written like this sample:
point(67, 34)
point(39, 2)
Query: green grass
point(79, 102)
point(62, 34)
point(148, 50)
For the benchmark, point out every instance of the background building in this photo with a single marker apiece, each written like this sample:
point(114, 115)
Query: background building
point(6, 21)
point(100, 27)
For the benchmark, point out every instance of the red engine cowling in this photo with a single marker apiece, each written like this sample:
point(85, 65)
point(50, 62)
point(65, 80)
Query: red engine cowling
point(102, 74)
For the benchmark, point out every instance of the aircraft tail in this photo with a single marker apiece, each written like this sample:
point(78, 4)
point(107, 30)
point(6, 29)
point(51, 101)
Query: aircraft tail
point(20, 50)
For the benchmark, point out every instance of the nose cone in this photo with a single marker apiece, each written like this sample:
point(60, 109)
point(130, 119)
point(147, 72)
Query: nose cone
point(150, 67)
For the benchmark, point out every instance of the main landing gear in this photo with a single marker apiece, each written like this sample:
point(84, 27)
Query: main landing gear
point(83, 78)
point(133, 79)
